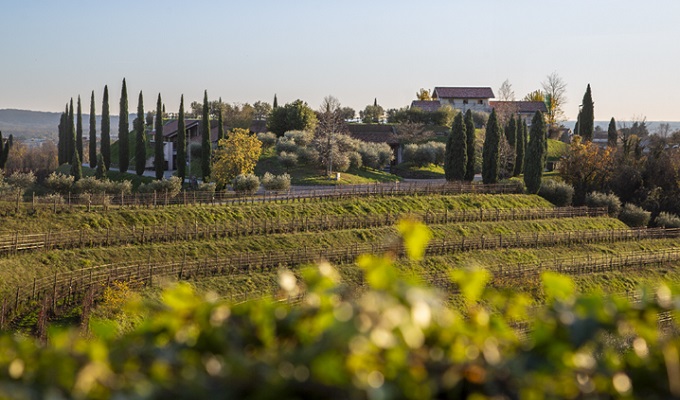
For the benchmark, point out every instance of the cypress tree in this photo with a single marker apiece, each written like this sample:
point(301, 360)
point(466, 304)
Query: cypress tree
point(587, 120)
point(100, 173)
point(535, 154)
point(123, 128)
point(577, 125)
point(79, 130)
point(455, 159)
point(61, 146)
point(4, 150)
point(181, 143)
point(140, 136)
point(206, 147)
point(93, 134)
point(76, 167)
point(220, 122)
point(612, 134)
point(71, 134)
point(276, 103)
point(106, 130)
point(159, 157)
point(520, 146)
point(470, 137)
point(490, 153)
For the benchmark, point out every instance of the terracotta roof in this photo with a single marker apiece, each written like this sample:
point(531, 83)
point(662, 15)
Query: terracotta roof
point(426, 105)
point(463, 92)
point(523, 107)
point(373, 133)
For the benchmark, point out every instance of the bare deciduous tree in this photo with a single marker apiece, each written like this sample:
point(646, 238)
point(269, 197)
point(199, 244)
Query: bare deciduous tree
point(555, 90)
point(330, 124)
point(505, 92)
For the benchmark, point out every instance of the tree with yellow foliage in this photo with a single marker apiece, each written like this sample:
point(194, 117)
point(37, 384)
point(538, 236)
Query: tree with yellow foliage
point(587, 167)
point(235, 155)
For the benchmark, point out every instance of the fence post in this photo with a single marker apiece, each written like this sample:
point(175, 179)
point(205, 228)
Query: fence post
point(16, 242)
point(54, 293)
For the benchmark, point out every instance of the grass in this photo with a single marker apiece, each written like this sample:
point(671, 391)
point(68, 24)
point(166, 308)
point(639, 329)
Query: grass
point(44, 219)
point(308, 175)
point(610, 282)
point(409, 170)
point(556, 149)
point(22, 268)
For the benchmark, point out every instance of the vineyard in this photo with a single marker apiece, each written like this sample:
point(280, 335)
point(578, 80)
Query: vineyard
point(220, 249)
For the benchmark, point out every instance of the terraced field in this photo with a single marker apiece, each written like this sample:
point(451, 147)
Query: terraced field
point(236, 250)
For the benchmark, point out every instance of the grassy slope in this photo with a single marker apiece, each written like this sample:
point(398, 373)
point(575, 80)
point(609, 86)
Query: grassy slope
point(44, 220)
point(306, 175)
point(410, 171)
point(21, 269)
point(556, 149)
point(612, 282)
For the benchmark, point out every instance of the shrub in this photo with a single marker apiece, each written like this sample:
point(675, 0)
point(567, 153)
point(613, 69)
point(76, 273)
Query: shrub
point(611, 201)
point(118, 187)
point(286, 145)
point(409, 152)
point(375, 155)
point(355, 159)
point(246, 184)
point(300, 138)
point(436, 150)
point(558, 193)
point(425, 155)
point(307, 156)
point(268, 139)
point(172, 186)
point(340, 161)
point(21, 180)
point(288, 160)
point(90, 185)
point(634, 216)
point(667, 220)
point(195, 151)
point(385, 155)
point(59, 183)
point(206, 187)
point(369, 155)
point(276, 182)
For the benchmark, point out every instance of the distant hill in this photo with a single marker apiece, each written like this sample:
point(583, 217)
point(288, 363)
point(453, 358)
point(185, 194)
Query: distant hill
point(652, 126)
point(40, 124)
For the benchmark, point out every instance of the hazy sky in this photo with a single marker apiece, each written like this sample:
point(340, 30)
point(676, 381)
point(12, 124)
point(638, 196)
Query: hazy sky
point(245, 51)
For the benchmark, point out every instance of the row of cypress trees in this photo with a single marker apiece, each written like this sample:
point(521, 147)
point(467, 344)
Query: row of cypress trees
point(460, 149)
point(70, 145)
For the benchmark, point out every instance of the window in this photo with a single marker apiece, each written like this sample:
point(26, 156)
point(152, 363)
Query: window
point(465, 101)
point(480, 101)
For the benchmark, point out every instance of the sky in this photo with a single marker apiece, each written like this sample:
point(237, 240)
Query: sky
point(356, 51)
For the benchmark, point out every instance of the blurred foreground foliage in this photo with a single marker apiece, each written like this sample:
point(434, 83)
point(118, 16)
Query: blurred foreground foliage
point(397, 339)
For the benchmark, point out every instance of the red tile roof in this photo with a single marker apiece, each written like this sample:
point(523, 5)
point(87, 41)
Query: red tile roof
point(463, 92)
point(426, 105)
point(523, 107)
